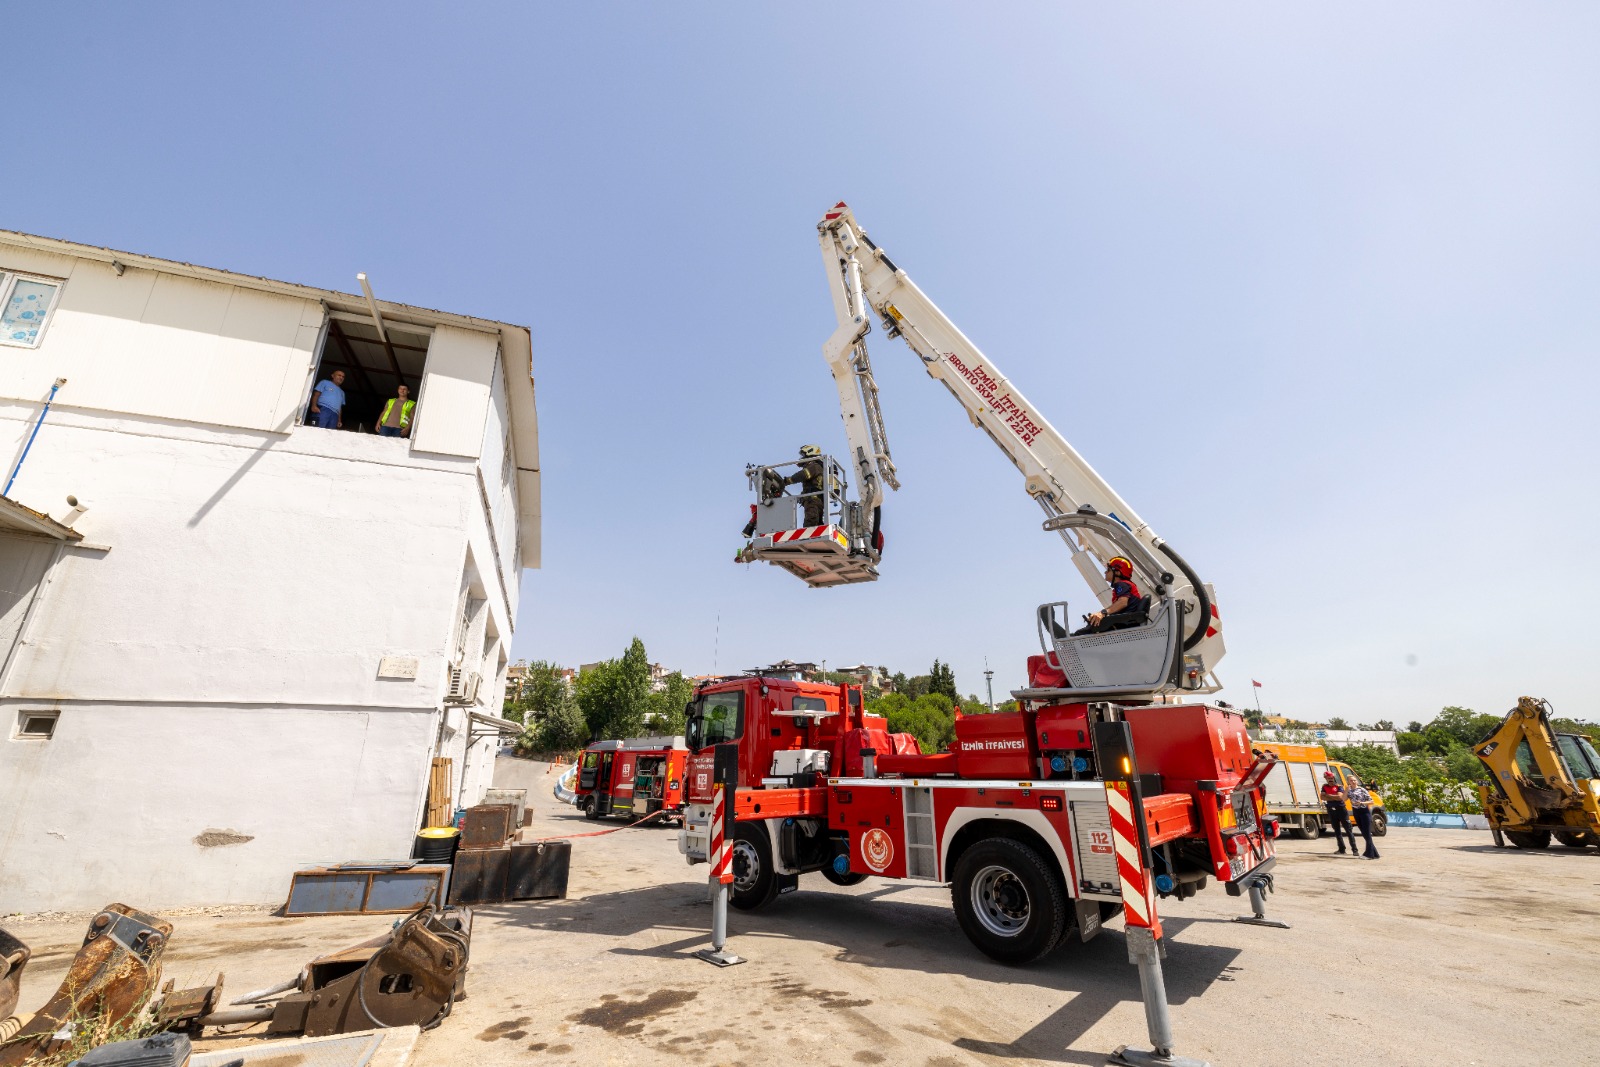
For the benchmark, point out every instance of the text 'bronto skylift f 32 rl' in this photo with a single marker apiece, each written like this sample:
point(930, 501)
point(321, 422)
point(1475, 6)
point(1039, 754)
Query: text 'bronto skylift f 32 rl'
point(1111, 786)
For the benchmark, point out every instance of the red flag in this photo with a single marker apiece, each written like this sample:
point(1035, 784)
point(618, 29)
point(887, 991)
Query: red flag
point(1255, 683)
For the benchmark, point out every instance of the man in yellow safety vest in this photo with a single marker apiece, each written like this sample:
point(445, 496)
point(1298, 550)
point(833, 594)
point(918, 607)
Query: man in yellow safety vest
point(396, 418)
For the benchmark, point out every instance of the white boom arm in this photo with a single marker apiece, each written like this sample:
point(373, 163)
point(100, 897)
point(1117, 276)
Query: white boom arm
point(865, 283)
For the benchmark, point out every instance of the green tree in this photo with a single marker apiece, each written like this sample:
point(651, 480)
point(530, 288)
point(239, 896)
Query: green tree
point(1464, 724)
point(544, 691)
point(666, 706)
point(1336, 723)
point(930, 718)
point(1374, 763)
point(942, 680)
point(614, 696)
point(1411, 741)
point(1463, 766)
point(562, 730)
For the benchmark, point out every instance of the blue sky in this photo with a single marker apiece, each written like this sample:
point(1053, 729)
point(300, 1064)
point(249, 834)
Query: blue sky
point(1314, 286)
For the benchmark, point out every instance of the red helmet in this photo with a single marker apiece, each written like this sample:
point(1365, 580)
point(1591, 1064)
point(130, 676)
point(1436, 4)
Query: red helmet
point(1121, 565)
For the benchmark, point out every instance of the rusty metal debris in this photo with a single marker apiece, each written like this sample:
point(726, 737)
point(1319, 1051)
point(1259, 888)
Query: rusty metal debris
point(13, 957)
point(410, 976)
point(184, 1008)
point(110, 980)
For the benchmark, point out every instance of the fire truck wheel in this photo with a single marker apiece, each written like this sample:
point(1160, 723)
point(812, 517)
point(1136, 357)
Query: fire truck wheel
point(852, 878)
point(1529, 838)
point(1009, 901)
point(754, 881)
point(590, 810)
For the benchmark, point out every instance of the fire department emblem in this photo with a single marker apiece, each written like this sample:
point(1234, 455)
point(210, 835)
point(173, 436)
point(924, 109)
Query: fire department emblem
point(877, 849)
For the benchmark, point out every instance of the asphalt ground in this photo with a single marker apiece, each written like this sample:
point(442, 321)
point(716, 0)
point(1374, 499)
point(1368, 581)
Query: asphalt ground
point(1445, 951)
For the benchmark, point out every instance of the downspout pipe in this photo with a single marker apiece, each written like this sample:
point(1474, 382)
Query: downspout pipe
point(37, 423)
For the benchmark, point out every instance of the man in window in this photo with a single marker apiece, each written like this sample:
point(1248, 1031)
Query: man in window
point(395, 421)
point(327, 402)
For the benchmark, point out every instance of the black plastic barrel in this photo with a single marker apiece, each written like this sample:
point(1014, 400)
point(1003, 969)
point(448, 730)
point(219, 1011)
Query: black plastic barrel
point(436, 844)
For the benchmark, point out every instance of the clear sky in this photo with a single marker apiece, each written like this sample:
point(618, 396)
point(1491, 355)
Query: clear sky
point(1315, 287)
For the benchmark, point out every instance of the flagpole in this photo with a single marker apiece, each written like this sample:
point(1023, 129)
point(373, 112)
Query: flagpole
point(1256, 689)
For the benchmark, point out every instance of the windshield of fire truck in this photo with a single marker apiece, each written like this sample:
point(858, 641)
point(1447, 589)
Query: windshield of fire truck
point(717, 719)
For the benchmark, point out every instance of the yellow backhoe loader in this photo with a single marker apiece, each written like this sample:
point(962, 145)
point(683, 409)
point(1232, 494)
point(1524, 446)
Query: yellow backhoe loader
point(1541, 783)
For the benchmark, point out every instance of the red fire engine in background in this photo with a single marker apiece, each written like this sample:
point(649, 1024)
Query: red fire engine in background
point(634, 778)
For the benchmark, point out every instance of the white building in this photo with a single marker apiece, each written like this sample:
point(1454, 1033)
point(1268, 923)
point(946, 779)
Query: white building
point(1321, 735)
point(237, 662)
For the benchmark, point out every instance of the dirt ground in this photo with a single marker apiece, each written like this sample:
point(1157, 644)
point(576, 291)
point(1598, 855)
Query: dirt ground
point(1410, 960)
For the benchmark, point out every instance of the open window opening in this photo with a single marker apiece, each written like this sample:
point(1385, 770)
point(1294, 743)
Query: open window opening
point(368, 371)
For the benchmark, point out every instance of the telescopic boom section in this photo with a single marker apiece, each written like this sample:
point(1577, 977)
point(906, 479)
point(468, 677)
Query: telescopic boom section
point(866, 284)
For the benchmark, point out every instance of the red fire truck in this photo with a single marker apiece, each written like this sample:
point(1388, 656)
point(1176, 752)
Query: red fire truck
point(633, 778)
point(1016, 817)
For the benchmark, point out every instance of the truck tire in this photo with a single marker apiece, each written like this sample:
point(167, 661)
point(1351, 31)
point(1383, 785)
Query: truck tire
point(590, 809)
point(1529, 838)
point(847, 879)
point(1380, 822)
point(755, 882)
point(1575, 838)
point(1309, 829)
point(1009, 900)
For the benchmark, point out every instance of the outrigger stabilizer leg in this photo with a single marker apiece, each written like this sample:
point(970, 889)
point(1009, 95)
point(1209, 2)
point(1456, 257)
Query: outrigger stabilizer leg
point(1258, 888)
point(1145, 950)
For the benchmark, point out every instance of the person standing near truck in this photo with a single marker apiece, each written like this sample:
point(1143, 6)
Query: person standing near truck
point(1338, 816)
point(1361, 808)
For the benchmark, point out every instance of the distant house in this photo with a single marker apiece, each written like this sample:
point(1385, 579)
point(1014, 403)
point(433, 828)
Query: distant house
point(246, 642)
point(870, 676)
point(788, 669)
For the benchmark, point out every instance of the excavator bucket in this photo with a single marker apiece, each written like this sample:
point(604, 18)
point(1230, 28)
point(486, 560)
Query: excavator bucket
point(813, 532)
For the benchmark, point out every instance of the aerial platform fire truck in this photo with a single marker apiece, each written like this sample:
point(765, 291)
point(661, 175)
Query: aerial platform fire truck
point(1113, 785)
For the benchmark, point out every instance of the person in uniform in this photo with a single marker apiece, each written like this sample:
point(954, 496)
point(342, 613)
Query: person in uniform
point(810, 479)
point(1124, 598)
point(1338, 816)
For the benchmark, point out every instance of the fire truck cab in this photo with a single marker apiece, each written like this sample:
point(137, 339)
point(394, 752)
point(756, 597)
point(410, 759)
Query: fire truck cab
point(1016, 818)
point(634, 778)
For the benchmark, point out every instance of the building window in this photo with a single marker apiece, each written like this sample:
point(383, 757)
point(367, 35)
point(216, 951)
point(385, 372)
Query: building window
point(36, 725)
point(371, 370)
point(25, 306)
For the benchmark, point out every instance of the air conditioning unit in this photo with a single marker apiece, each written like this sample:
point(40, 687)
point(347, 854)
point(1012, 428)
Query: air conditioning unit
point(463, 686)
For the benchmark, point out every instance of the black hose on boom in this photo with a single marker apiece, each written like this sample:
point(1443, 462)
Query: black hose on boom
point(1199, 591)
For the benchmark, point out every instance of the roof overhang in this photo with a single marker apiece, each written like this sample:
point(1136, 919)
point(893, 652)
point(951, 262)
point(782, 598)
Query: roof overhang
point(495, 723)
point(18, 518)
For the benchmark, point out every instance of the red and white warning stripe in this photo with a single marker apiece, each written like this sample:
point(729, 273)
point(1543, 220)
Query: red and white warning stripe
point(1138, 899)
point(805, 533)
point(721, 853)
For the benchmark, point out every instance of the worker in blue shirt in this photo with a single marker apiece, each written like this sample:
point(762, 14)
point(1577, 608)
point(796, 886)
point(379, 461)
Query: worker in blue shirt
point(327, 402)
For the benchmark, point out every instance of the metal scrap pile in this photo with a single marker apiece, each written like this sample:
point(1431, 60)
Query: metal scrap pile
point(409, 976)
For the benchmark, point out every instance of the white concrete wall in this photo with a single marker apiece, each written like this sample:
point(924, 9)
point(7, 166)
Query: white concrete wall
point(128, 802)
point(243, 568)
point(148, 343)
